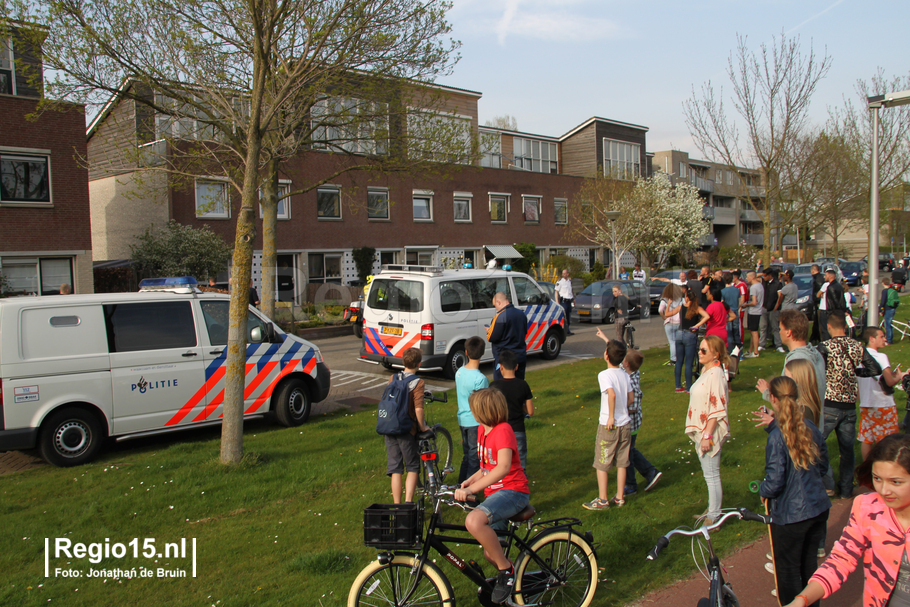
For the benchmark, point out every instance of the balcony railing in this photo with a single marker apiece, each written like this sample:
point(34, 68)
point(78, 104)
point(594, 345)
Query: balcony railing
point(749, 215)
point(703, 185)
point(789, 240)
point(724, 216)
point(756, 191)
point(708, 240)
point(754, 239)
point(707, 212)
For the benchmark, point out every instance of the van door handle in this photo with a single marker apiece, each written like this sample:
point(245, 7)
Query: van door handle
point(188, 354)
point(216, 352)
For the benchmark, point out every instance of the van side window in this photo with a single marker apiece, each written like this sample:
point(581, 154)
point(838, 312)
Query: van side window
point(455, 296)
point(526, 292)
point(158, 325)
point(217, 315)
point(483, 290)
point(396, 295)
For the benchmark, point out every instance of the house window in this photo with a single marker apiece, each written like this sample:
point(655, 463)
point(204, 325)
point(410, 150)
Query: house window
point(387, 257)
point(561, 210)
point(284, 200)
point(419, 258)
point(462, 205)
point(31, 276)
point(350, 125)
point(6, 67)
point(499, 208)
point(531, 208)
point(423, 205)
point(490, 149)
point(534, 155)
point(328, 203)
point(682, 170)
point(324, 267)
point(729, 175)
point(212, 200)
point(24, 178)
point(622, 160)
point(377, 204)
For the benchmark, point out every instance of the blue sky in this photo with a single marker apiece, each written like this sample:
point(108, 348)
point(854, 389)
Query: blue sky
point(555, 63)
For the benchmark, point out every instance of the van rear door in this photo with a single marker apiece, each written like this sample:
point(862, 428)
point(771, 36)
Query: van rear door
point(542, 312)
point(393, 315)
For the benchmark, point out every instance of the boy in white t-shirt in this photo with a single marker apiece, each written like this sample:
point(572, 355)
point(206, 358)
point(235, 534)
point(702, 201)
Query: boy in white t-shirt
point(614, 435)
point(877, 411)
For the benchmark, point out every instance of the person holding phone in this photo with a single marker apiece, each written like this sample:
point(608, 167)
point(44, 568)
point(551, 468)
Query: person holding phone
point(877, 411)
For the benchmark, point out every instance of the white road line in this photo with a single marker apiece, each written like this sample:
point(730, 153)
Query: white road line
point(382, 383)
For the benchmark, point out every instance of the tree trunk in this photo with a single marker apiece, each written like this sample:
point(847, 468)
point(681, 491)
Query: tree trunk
point(269, 204)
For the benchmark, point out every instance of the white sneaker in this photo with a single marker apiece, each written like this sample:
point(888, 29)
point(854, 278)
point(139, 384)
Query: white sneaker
point(781, 350)
point(760, 348)
point(751, 355)
point(769, 556)
point(769, 567)
point(774, 592)
point(821, 553)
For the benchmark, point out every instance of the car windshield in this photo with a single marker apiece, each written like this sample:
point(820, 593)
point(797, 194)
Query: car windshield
point(598, 289)
point(803, 269)
point(852, 266)
point(803, 281)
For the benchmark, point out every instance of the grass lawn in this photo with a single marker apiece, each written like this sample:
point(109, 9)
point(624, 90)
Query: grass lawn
point(286, 526)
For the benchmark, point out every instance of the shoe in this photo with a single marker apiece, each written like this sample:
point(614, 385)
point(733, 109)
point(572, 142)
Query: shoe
point(503, 588)
point(615, 501)
point(653, 480)
point(680, 390)
point(751, 354)
point(774, 592)
point(769, 567)
point(760, 348)
point(570, 333)
point(769, 556)
point(830, 492)
point(596, 504)
point(630, 490)
point(781, 350)
point(821, 553)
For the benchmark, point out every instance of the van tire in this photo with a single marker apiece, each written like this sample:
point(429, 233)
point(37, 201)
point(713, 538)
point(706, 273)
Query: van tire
point(358, 330)
point(70, 437)
point(455, 361)
point(551, 345)
point(292, 403)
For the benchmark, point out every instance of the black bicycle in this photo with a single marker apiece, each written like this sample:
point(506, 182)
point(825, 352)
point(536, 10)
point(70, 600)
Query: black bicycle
point(720, 594)
point(436, 440)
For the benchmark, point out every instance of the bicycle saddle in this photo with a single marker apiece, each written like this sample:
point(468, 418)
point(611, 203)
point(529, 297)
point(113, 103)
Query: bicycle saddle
point(426, 434)
point(524, 515)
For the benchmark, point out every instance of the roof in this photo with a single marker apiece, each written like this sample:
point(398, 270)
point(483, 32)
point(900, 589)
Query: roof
point(606, 120)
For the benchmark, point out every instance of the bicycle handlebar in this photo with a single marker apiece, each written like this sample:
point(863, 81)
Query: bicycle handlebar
point(431, 396)
point(739, 513)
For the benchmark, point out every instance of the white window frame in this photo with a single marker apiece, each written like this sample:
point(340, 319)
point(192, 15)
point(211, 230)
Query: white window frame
point(388, 209)
point(428, 195)
point(329, 188)
point(35, 263)
point(30, 153)
point(628, 167)
point(225, 212)
point(8, 64)
point(564, 203)
point(464, 197)
point(354, 135)
point(284, 188)
point(508, 201)
point(537, 202)
point(528, 154)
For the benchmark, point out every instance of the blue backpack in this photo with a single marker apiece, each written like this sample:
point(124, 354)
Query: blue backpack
point(392, 416)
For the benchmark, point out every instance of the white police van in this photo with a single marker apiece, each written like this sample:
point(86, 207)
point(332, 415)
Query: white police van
point(77, 369)
point(437, 310)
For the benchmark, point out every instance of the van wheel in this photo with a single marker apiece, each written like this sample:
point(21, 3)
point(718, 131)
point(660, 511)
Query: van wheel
point(358, 330)
point(292, 404)
point(456, 360)
point(551, 345)
point(70, 437)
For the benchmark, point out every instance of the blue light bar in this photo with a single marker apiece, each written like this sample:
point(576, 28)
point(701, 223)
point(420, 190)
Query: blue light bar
point(170, 282)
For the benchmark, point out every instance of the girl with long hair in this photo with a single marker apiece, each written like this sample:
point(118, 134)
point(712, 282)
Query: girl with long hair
point(671, 299)
point(795, 461)
point(718, 313)
point(691, 316)
point(802, 371)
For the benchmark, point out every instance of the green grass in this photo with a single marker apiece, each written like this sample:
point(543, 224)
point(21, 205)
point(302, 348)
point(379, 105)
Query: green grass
point(285, 526)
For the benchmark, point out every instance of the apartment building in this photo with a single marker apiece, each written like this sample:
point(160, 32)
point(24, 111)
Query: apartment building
point(45, 228)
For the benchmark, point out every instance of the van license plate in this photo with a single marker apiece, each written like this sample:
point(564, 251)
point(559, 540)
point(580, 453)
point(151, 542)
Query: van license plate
point(391, 330)
point(584, 312)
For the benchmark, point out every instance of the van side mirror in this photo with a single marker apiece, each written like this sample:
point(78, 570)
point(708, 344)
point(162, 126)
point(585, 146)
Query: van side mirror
point(270, 333)
point(256, 335)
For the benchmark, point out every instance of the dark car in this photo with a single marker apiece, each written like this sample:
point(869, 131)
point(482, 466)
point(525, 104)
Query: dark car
point(803, 284)
point(656, 287)
point(804, 269)
point(595, 302)
point(886, 261)
point(853, 272)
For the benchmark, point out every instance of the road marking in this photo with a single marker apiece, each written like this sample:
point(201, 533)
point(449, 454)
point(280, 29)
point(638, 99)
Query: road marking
point(569, 354)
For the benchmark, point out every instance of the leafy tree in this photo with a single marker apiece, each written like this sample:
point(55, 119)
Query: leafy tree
point(528, 252)
point(180, 250)
point(507, 122)
point(363, 259)
point(742, 255)
point(558, 263)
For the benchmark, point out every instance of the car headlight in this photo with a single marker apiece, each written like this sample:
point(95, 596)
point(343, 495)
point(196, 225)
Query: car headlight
point(803, 299)
point(597, 306)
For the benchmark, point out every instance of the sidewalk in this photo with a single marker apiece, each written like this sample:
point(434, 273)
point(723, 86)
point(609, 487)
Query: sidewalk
point(745, 571)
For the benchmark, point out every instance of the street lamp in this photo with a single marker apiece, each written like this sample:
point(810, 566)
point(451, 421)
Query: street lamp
point(874, 103)
point(613, 216)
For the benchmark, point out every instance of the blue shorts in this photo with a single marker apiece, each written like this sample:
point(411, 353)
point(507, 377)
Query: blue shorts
point(503, 505)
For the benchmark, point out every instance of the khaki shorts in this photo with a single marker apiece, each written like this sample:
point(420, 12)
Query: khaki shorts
point(611, 447)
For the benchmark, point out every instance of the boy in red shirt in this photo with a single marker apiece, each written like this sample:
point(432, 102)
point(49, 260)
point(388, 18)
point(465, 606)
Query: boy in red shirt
point(502, 480)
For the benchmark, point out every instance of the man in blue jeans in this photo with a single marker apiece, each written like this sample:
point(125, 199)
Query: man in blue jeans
point(889, 302)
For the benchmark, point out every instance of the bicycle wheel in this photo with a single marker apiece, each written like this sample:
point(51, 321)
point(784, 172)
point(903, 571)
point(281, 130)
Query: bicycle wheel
point(575, 566)
point(444, 453)
point(388, 584)
point(728, 597)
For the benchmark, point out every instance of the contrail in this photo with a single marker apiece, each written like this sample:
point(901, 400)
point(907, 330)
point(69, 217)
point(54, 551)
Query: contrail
point(815, 16)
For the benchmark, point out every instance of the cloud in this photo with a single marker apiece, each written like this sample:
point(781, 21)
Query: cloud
point(556, 26)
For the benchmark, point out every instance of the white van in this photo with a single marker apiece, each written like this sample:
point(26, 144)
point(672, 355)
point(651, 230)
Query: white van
point(76, 369)
point(437, 310)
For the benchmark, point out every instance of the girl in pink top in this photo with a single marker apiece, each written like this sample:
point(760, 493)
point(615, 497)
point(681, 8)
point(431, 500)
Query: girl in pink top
point(878, 532)
point(718, 314)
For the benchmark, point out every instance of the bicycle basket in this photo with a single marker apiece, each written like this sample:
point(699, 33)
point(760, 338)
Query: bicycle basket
point(392, 526)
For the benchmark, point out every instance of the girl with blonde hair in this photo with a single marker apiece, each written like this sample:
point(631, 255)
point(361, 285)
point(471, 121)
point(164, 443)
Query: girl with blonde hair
point(802, 371)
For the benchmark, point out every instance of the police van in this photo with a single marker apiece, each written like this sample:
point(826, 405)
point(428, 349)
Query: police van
point(77, 369)
point(437, 310)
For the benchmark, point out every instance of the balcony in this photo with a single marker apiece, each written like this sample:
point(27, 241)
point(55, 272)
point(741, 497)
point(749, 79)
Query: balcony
point(708, 240)
point(754, 239)
point(724, 216)
point(749, 215)
point(707, 212)
point(703, 185)
point(789, 240)
point(756, 191)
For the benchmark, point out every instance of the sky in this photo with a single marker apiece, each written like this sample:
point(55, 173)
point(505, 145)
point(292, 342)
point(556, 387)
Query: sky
point(553, 64)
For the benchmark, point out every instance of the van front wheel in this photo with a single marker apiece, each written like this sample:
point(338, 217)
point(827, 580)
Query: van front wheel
point(70, 437)
point(456, 360)
point(292, 404)
point(551, 345)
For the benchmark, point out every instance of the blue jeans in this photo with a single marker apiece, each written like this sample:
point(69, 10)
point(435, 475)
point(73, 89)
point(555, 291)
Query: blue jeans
point(469, 462)
point(522, 439)
point(671, 330)
point(710, 469)
point(503, 505)
point(637, 461)
point(686, 346)
point(889, 330)
point(733, 335)
point(843, 422)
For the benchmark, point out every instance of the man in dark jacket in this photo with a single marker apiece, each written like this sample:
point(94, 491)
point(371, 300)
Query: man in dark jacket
point(507, 331)
point(831, 299)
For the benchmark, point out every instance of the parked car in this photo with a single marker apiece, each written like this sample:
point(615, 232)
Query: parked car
point(656, 287)
point(595, 302)
point(886, 261)
point(803, 284)
point(853, 272)
point(838, 260)
point(805, 267)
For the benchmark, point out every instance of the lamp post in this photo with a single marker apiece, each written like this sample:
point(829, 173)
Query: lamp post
point(874, 103)
point(613, 216)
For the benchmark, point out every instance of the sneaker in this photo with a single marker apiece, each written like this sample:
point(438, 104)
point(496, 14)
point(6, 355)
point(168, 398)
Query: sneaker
point(680, 390)
point(751, 354)
point(781, 350)
point(503, 588)
point(821, 553)
point(653, 481)
point(615, 501)
point(774, 592)
point(769, 556)
point(596, 504)
point(760, 348)
point(769, 567)
point(630, 490)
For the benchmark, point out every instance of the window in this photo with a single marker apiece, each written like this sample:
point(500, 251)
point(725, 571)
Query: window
point(729, 179)
point(455, 296)
point(490, 149)
point(534, 155)
point(217, 319)
point(324, 267)
point(377, 204)
point(531, 208)
point(423, 205)
point(561, 210)
point(212, 200)
point(328, 203)
point(483, 290)
point(6, 67)
point(440, 137)
point(462, 205)
point(622, 160)
point(419, 258)
point(159, 325)
point(24, 178)
point(351, 125)
point(526, 292)
point(396, 295)
point(387, 257)
point(499, 208)
point(682, 170)
point(284, 200)
point(33, 276)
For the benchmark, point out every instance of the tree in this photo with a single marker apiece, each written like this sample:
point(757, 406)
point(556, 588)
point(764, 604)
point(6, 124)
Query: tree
point(506, 122)
point(179, 250)
point(654, 217)
point(529, 258)
point(772, 89)
point(230, 71)
point(363, 259)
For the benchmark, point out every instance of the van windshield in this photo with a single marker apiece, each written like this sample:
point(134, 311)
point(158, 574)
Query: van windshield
point(396, 295)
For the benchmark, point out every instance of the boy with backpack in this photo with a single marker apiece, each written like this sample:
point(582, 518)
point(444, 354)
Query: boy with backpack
point(400, 417)
point(890, 300)
point(519, 400)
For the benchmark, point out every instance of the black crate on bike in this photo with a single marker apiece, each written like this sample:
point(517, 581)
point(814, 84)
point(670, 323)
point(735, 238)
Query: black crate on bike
point(392, 526)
